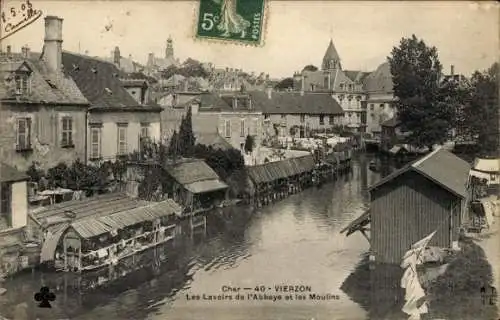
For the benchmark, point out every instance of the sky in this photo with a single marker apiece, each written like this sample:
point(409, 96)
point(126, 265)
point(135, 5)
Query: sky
point(297, 33)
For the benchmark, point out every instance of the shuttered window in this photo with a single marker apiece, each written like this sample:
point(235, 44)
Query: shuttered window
point(122, 140)
point(23, 133)
point(242, 129)
point(95, 143)
point(67, 132)
point(227, 128)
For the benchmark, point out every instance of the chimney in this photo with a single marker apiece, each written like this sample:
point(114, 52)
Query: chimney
point(235, 102)
point(302, 84)
point(53, 43)
point(452, 70)
point(269, 91)
point(186, 85)
point(151, 59)
point(9, 51)
point(116, 57)
point(24, 53)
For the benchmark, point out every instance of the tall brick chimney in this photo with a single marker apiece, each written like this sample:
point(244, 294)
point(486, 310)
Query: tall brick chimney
point(452, 70)
point(53, 43)
point(116, 56)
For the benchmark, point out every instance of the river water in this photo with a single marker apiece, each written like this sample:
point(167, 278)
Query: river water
point(295, 241)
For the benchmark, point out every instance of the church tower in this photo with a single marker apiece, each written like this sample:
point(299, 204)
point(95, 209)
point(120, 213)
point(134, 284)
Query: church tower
point(331, 60)
point(169, 51)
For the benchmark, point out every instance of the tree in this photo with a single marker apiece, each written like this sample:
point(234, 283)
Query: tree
point(310, 67)
point(481, 113)
point(173, 147)
point(249, 144)
point(186, 135)
point(284, 84)
point(422, 106)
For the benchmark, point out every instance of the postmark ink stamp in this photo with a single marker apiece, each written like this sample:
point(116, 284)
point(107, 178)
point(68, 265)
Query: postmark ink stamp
point(15, 17)
point(231, 20)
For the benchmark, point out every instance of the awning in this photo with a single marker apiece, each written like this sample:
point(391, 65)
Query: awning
point(205, 186)
point(92, 227)
point(50, 244)
point(357, 224)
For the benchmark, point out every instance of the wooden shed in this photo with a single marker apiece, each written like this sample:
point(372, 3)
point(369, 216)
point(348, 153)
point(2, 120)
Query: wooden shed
point(428, 194)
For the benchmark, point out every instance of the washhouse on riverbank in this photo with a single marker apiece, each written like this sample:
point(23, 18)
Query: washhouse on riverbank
point(88, 234)
point(426, 195)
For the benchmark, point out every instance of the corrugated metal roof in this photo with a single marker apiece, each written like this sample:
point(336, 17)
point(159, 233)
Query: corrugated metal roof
point(207, 185)
point(90, 207)
point(92, 227)
point(281, 169)
point(440, 166)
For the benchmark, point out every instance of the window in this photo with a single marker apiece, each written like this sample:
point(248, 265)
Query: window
point(67, 132)
point(350, 87)
point(95, 143)
point(372, 107)
point(341, 97)
point(144, 130)
point(23, 134)
point(242, 128)
point(227, 128)
point(302, 118)
point(122, 139)
point(331, 119)
point(382, 106)
point(5, 206)
point(321, 119)
point(341, 86)
point(283, 116)
point(22, 83)
point(266, 116)
point(312, 87)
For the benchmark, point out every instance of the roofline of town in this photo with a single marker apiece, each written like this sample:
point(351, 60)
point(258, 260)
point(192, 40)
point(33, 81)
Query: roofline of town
point(127, 109)
point(45, 103)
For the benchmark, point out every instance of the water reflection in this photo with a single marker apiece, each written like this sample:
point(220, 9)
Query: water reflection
point(293, 240)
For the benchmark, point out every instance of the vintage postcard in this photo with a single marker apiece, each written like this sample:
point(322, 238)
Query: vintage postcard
point(249, 160)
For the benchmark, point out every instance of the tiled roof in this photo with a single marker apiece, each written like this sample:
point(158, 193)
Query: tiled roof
point(356, 76)
point(212, 139)
point(10, 174)
point(190, 171)
point(295, 103)
point(440, 166)
point(45, 86)
point(99, 81)
point(379, 80)
point(214, 102)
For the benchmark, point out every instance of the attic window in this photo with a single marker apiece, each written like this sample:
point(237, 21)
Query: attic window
point(94, 70)
point(52, 85)
point(108, 91)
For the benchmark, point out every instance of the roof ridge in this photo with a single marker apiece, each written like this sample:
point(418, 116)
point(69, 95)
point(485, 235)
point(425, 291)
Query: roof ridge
point(426, 157)
point(88, 57)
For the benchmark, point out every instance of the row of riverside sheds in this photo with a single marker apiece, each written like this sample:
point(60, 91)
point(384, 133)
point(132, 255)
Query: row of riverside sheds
point(273, 180)
point(428, 194)
point(86, 234)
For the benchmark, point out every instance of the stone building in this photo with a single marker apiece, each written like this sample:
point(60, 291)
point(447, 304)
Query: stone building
point(355, 91)
point(43, 111)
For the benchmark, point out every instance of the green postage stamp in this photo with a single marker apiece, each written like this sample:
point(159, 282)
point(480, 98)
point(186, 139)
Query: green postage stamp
point(231, 20)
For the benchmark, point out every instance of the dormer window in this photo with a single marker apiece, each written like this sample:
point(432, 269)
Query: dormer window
point(22, 83)
point(341, 86)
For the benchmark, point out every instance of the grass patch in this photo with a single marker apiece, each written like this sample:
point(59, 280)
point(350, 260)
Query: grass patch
point(456, 294)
